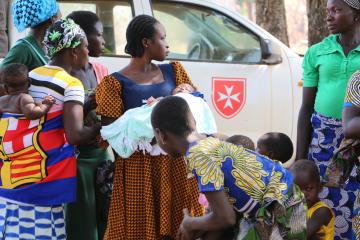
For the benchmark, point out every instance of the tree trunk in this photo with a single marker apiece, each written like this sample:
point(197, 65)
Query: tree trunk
point(316, 12)
point(270, 15)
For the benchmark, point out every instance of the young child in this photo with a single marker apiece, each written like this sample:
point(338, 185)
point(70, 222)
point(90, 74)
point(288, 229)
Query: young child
point(239, 184)
point(276, 146)
point(133, 132)
point(242, 140)
point(321, 219)
point(16, 82)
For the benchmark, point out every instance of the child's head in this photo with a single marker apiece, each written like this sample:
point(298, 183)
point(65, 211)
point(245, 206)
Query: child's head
point(183, 88)
point(275, 145)
point(172, 122)
point(220, 136)
point(242, 140)
point(307, 177)
point(15, 78)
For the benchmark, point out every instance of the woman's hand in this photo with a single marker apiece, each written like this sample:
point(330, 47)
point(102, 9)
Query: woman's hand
point(90, 103)
point(185, 232)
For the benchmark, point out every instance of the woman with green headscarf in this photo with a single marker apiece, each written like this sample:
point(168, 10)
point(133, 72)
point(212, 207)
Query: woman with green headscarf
point(38, 170)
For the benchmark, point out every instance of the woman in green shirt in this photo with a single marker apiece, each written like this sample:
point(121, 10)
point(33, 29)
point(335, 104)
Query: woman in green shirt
point(37, 15)
point(327, 67)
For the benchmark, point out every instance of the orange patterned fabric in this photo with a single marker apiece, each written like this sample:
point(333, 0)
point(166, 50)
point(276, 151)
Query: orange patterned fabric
point(181, 74)
point(108, 98)
point(149, 192)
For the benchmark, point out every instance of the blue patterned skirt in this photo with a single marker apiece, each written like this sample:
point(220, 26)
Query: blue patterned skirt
point(31, 222)
point(326, 138)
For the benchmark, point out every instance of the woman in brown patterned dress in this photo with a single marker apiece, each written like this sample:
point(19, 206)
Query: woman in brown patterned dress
point(150, 192)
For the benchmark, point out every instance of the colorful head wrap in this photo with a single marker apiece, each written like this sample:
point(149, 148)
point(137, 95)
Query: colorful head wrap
point(353, 3)
point(29, 13)
point(61, 35)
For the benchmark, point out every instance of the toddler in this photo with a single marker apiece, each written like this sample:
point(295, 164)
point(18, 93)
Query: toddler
point(321, 219)
point(276, 146)
point(242, 140)
point(17, 100)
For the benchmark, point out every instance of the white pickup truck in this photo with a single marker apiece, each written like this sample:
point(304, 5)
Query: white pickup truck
point(249, 78)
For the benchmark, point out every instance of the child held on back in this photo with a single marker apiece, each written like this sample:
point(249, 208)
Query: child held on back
point(321, 219)
point(16, 82)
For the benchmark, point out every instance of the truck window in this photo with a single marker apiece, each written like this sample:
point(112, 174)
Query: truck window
point(115, 16)
point(203, 34)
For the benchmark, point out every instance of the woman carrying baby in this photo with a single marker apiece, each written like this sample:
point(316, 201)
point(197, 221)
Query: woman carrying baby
point(38, 164)
point(149, 191)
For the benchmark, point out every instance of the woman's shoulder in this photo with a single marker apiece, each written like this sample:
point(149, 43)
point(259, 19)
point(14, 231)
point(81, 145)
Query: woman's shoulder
point(354, 82)
point(47, 72)
point(110, 83)
point(100, 70)
point(327, 44)
point(355, 78)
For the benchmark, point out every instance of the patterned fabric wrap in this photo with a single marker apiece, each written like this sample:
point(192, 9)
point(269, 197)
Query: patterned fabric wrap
point(274, 223)
point(63, 34)
point(353, 3)
point(259, 188)
point(29, 13)
point(133, 132)
point(31, 222)
point(356, 220)
point(352, 97)
point(327, 136)
point(343, 163)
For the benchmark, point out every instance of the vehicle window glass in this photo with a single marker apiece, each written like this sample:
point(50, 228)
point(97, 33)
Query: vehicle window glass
point(115, 16)
point(199, 33)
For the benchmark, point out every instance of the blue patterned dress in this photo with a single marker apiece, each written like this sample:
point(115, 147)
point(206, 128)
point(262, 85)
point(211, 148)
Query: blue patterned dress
point(352, 99)
point(326, 139)
point(252, 183)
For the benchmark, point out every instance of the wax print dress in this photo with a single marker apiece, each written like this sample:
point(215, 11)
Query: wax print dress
point(260, 190)
point(149, 191)
point(352, 99)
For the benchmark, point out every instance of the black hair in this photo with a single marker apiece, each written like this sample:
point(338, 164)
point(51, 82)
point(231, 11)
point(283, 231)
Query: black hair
point(279, 144)
point(307, 166)
point(242, 140)
point(140, 27)
point(12, 70)
point(42, 24)
point(85, 19)
point(171, 114)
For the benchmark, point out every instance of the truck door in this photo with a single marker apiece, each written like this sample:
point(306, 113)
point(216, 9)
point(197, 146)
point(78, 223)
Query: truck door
point(224, 59)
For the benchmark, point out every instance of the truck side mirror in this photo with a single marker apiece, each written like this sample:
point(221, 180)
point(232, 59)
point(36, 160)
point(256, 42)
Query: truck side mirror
point(265, 45)
point(267, 54)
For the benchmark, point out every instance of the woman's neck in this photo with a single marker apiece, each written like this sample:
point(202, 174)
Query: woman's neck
point(84, 69)
point(142, 64)
point(192, 137)
point(350, 38)
point(61, 62)
point(39, 35)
